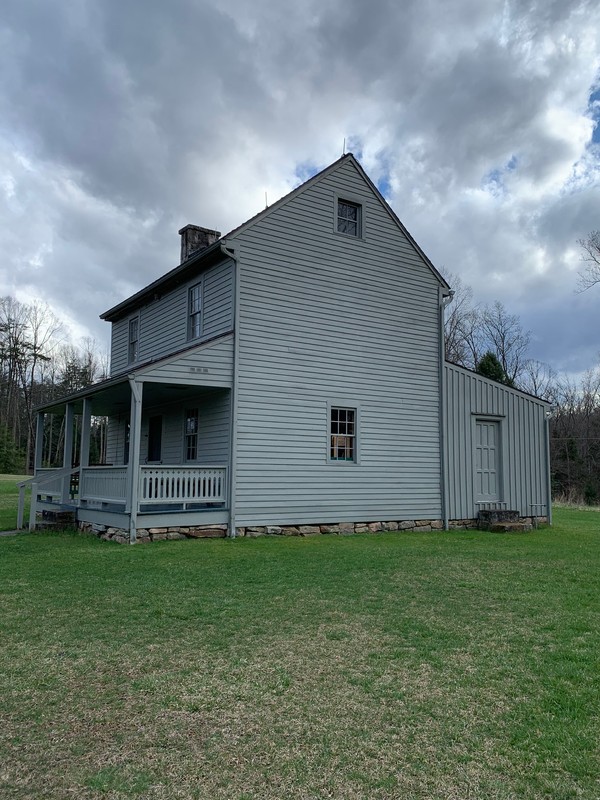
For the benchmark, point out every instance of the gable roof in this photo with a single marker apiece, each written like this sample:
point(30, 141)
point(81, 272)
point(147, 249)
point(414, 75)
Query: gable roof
point(187, 269)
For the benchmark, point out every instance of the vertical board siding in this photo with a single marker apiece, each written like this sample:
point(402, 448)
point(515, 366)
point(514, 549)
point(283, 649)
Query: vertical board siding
point(331, 319)
point(522, 419)
point(163, 327)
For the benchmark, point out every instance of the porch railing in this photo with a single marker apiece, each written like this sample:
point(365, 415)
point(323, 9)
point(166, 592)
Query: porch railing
point(160, 485)
point(164, 485)
point(103, 484)
point(51, 479)
point(50, 484)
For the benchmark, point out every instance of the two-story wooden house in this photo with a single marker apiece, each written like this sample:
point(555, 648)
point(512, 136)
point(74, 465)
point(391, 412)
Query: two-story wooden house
point(290, 377)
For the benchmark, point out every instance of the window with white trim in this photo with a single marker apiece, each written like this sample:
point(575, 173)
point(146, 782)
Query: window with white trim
point(191, 434)
point(342, 434)
point(349, 218)
point(195, 312)
point(134, 340)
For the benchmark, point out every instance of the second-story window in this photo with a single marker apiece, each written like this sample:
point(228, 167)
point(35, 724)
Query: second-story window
point(195, 312)
point(134, 340)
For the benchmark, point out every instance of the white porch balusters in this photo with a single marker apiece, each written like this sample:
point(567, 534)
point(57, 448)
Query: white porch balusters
point(182, 485)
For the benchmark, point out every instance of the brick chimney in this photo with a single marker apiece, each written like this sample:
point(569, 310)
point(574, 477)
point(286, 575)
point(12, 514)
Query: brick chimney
point(194, 238)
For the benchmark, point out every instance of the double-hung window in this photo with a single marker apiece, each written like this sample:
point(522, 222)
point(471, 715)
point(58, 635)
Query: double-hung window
point(191, 434)
point(349, 218)
point(342, 434)
point(134, 339)
point(195, 312)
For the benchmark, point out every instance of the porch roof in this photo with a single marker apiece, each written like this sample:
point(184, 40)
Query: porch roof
point(113, 394)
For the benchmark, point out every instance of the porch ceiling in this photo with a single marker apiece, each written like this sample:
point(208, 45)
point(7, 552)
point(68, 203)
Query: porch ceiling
point(115, 399)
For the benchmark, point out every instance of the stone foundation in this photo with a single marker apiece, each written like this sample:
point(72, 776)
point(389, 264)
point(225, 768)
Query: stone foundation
point(144, 535)
point(342, 528)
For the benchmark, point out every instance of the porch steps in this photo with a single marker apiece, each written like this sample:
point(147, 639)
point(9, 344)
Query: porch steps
point(509, 527)
point(56, 520)
point(502, 521)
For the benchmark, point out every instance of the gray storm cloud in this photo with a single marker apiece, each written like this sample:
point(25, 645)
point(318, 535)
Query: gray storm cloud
point(121, 122)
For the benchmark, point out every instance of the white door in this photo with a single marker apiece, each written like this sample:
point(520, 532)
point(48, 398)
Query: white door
point(487, 462)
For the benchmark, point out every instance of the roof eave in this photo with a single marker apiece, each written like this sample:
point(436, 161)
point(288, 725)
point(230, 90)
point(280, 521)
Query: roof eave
point(174, 276)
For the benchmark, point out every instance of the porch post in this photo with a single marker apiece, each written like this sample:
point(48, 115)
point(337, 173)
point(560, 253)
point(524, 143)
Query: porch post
point(84, 444)
point(133, 468)
point(39, 442)
point(68, 451)
point(86, 425)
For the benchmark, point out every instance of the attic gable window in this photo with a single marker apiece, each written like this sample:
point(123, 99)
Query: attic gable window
point(348, 218)
point(134, 327)
point(195, 312)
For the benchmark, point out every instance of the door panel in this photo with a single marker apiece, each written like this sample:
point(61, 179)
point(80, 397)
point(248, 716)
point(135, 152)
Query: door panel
point(487, 461)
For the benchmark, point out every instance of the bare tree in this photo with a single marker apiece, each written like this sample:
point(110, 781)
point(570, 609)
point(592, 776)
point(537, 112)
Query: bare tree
point(589, 275)
point(505, 336)
point(471, 331)
point(540, 379)
point(461, 324)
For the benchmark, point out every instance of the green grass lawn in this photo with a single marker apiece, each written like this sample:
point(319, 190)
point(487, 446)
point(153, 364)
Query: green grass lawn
point(9, 498)
point(437, 665)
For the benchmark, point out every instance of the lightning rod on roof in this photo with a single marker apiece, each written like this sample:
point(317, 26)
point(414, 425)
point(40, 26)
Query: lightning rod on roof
point(266, 201)
point(344, 147)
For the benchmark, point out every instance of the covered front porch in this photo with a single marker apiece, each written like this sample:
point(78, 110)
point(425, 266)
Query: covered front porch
point(165, 463)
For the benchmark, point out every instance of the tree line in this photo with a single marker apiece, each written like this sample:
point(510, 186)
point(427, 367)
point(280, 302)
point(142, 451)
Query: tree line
point(37, 365)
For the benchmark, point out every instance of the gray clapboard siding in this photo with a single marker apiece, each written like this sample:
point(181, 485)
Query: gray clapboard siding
point(323, 319)
point(119, 336)
point(522, 418)
point(163, 323)
point(214, 434)
point(214, 428)
point(208, 364)
point(115, 440)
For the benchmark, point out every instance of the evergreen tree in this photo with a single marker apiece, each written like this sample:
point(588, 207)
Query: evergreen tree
point(490, 366)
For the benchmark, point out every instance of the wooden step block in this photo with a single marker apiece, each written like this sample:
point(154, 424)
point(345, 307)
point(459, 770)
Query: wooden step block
point(509, 527)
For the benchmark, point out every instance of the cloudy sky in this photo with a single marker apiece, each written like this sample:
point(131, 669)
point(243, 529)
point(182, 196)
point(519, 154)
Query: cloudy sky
point(122, 121)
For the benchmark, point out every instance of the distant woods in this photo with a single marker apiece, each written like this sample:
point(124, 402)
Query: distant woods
point(38, 364)
point(494, 343)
